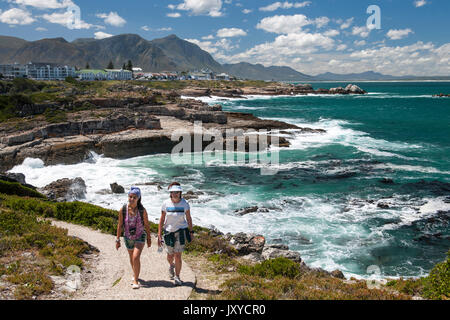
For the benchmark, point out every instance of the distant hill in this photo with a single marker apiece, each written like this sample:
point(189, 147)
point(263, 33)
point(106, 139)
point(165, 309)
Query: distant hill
point(166, 54)
point(369, 75)
point(187, 55)
point(247, 70)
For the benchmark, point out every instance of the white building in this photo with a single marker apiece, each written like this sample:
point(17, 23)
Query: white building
point(104, 74)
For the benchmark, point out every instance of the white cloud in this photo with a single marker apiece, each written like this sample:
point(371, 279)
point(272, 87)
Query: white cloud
point(44, 4)
point(395, 34)
point(361, 31)
point(360, 43)
point(65, 19)
point(285, 5)
point(41, 29)
point(204, 45)
point(202, 7)
point(16, 16)
point(112, 19)
point(164, 29)
point(321, 21)
point(174, 15)
point(145, 28)
point(214, 47)
point(331, 33)
point(420, 3)
point(346, 24)
point(283, 24)
point(341, 47)
point(230, 32)
point(171, 6)
point(246, 11)
point(102, 35)
point(209, 37)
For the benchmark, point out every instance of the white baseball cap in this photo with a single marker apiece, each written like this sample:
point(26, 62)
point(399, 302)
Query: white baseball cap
point(175, 188)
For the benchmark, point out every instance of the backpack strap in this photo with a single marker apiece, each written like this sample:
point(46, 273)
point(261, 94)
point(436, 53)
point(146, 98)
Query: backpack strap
point(124, 212)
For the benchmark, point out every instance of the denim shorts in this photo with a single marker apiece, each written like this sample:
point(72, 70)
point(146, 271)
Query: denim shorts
point(130, 243)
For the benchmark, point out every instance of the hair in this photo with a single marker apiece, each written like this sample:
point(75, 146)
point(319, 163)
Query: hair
point(139, 204)
point(173, 184)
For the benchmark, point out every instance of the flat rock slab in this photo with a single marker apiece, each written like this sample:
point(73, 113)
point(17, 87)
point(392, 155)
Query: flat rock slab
point(112, 264)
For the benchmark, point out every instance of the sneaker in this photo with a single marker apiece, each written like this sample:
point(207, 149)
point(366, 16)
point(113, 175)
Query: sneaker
point(177, 281)
point(136, 286)
point(171, 272)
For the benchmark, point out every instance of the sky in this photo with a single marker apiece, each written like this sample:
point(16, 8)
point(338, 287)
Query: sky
point(396, 37)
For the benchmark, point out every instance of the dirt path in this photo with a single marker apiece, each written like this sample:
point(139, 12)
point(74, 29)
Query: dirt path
point(112, 265)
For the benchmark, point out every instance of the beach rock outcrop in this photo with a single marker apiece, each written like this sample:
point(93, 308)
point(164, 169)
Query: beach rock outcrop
point(247, 243)
point(65, 189)
point(276, 251)
point(116, 188)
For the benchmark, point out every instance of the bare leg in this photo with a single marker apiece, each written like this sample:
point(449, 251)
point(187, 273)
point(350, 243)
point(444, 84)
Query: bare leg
point(170, 259)
point(177, 263)
point(130, 253)
point(137, 261)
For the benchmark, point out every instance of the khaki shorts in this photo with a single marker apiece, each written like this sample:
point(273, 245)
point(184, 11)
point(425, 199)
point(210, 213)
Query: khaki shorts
point(177, 247)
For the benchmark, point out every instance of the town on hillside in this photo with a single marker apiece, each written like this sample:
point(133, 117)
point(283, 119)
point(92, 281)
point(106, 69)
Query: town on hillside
point(53, 71)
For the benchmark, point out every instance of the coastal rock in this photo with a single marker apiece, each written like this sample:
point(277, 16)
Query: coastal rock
point(440, 95)
point(247, 243)
point(337, 274)
point(272, 252)
point(116, 188)
point(65, 189)
point(353, 88)
point(89, 126)
point(247, 210)
point(13, 177)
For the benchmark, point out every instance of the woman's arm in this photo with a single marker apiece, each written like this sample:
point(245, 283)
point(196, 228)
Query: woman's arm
point(147, 229)
point(160, 226)
point(189, 221)
point(119, 228)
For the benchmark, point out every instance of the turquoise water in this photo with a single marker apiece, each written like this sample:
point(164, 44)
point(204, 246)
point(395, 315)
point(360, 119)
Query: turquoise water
point(373, 190)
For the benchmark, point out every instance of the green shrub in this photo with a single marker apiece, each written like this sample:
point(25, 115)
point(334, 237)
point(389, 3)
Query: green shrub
point(272, 268)
point(437, 284)
point(15, 188)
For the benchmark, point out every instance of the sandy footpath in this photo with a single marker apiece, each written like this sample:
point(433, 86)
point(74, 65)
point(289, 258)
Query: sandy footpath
point(111, 265)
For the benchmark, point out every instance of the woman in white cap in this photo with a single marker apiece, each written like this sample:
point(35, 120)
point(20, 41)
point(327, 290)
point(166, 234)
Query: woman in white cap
point(176, 222)
point(133, 220)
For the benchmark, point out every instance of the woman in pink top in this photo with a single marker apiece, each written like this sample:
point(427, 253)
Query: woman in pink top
point(133, 221)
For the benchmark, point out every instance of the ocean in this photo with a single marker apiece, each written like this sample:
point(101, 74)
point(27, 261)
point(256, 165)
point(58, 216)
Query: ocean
point(373, 190)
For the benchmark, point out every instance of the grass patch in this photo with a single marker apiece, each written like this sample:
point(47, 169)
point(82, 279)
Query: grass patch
point(305, 287)
point(77, 212)
point(272, 268)
point(50, 251)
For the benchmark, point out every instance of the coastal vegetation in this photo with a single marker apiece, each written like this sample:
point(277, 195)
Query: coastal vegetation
point(26, 232)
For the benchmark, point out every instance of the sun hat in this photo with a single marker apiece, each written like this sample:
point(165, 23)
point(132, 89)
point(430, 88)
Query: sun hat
point(175, 188)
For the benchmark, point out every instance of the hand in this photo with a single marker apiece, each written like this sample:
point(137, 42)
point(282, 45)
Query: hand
point(159, 241)
point(117, 245)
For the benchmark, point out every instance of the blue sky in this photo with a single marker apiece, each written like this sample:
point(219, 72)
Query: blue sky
point(313, 36)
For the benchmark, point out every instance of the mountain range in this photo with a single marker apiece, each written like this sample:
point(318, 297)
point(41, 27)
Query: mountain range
point(166, 54)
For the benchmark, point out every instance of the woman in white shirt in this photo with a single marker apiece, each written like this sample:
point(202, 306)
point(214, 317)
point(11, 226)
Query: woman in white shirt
point(176, 222)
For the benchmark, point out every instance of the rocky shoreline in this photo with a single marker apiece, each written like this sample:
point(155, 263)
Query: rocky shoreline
point(134, 121)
